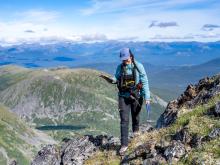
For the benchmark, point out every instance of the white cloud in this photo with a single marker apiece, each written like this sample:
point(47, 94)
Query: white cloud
point(29, 31)
point(189, 37)
point(38, 16)
point(123, 20)
point(108, 6)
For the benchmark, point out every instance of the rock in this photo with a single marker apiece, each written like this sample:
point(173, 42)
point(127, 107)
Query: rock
point(104, 142)
point(113, 143)
point(143, 128)
point(99, 140)
point(158, 159)
point(217, 109)
point(175, 150)
point(143, 151)
point(13, 162)
point(48, 155)
point(214, 133)
point(196, 141)
point(183, 135)
point(194, 95)
point(76, 151)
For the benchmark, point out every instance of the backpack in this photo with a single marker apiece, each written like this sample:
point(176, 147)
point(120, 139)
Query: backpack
point(127, 83)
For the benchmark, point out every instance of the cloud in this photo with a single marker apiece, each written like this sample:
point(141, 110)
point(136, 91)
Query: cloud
point(186, 37)
point(89, 37)
point(128, 38)
point(38, 16)
point(111, 6)
point(210, 35)
point(29, 31)
point(162, 24)
point(171, 37)
point(210, 27)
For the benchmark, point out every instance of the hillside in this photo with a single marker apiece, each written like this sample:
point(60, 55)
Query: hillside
point(188, 133)
point(18, 141)
point(179, 77)
point(64, 101)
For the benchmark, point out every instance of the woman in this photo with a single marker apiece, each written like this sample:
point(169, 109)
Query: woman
point(132, 82)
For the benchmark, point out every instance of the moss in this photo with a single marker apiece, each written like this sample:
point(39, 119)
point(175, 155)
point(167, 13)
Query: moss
point(209, 153)
point(101, 158)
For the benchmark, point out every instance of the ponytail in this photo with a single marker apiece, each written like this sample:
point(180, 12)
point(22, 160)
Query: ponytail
point(133, 61)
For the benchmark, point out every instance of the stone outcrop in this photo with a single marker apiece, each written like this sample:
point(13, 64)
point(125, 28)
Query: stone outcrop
point(194, 95)
point(48, 155)
point(75, 151)
point(217, 109)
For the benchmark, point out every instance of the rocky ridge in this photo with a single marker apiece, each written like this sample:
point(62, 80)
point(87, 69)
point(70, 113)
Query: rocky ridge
point(194, 95)
point(75, 151)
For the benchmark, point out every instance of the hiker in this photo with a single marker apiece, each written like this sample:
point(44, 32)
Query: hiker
point(132, 83)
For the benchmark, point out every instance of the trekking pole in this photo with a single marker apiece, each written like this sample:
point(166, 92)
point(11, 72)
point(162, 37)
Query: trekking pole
point(148, 109)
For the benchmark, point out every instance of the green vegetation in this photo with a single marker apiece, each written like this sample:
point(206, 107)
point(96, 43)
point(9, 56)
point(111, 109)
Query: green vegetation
point(64, 97)
point(17, 140)
point(11, 132)
point(197, 119)
point(198, 123)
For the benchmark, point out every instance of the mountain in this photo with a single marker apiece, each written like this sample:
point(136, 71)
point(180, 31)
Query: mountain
point(179, 77)
point(71, 54)
point(65, 101)
point(188, 133)
point(17, 140)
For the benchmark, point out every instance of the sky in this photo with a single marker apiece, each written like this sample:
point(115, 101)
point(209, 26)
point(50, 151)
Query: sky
point(103, 20)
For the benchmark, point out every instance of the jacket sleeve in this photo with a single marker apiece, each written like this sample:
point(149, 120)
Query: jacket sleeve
point(144, 80)
point(117, 74)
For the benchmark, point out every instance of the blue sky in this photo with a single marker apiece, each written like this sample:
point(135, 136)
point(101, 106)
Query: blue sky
point(102, 20)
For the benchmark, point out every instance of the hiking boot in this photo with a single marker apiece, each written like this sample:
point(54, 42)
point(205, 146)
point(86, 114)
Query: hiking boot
point(123, 149)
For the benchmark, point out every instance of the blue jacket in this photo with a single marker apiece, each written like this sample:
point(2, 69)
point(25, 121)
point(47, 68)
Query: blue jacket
point(140, 77)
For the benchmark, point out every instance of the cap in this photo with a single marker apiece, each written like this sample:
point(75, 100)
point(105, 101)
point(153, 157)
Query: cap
point(125, 54)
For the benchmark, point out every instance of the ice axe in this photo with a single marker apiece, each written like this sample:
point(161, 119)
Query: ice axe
point(148, 109)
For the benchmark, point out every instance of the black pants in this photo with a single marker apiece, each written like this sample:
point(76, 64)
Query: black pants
point(125, 106)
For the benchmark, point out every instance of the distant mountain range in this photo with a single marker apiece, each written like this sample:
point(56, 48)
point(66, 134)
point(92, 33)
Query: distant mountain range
point(75, 54)
point(168, 65)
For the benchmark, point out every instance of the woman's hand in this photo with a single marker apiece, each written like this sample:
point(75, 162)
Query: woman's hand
point(147, 102)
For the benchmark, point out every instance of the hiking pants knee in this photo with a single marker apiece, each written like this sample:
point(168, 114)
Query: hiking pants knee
point(127, 105)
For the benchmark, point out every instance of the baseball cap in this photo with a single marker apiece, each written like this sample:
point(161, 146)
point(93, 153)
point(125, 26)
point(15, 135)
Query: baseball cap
point(125, 54)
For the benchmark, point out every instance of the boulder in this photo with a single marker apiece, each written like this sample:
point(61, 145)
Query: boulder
point(175, 150)
point(48, 155)
point(183, 135)
point(76, 151)
point(105, 142)
point(13, 162)
point(214, 133)
point(217, 109)
point(196, 141)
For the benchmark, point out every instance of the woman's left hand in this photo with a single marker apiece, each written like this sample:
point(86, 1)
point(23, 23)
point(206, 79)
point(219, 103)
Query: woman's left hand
point(147, 102)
